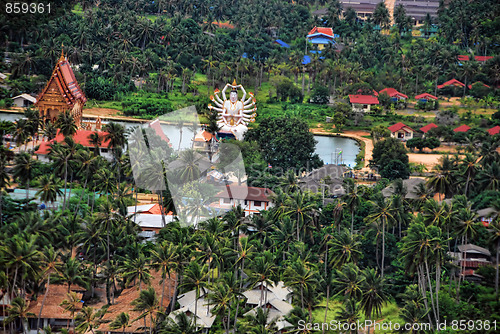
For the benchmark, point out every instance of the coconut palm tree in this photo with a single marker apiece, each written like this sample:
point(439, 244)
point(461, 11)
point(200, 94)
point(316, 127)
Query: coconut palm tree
point(344, 248)
point(349, 313)
point(18, 309)
point(23, 169)
point(381, 211)
point(21, 132)
point(301, 276)
point(136, 269)
point(71, 304)
point(196, 277)
point(50, 188)
point(352, 198)
point(51, 265)
point(4, 183)
point(147, 303)
point(95, 140)
point(183, 324)
point(443, 181)
point(300, 209)
point(122, 321)
point(220, 298)
point(164, 259)
point(87, 320)
point(374, 296)
point(66, 124)
point(72, 273)
point(257, 323)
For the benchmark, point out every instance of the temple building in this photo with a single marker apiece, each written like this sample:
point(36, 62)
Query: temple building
point(61, 94)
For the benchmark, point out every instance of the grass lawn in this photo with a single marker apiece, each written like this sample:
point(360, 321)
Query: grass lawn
point(390, 313)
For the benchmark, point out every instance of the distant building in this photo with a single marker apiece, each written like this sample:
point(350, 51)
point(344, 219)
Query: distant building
point(494, 130)
point(189, 304)
point(478, 82)
point(362, 103)
point(281, 43)
point(452, 82)
point(81, 137)
point(418, 9)
point(425, 97)
point(411, 186)
point(469, 258)
point(462, 128)
point(61, 94)
point(23, 100)
point(486, 216)
point(149, 217)
point(393, 94)
point(401, 131)
point(327, 178)
point(277, 311)
point(426, 128)
point(3, 77)
point(203, 141)
point(322, 37)
point(251, 199)
point(480, 59)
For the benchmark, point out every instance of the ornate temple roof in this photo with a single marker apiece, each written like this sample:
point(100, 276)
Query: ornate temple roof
point(65, 80)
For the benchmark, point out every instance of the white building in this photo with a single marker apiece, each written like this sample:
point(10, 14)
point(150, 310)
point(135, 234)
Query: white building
point(23, 100)
point(251, 199)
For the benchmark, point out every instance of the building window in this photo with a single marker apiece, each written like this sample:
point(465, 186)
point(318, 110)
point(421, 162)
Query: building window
point(408, 134)
point(227, 200)
point(104, 150)
point(365, 106)
point(246, 202)
point(257, 203)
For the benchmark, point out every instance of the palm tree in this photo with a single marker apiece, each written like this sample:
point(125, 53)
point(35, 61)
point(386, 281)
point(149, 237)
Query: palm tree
point(190, 170)
point(195, 278)
point(257, 323)
point(374, 297)
point(95, 140)
point(442, 181)
point(66, 124)
point(71, 304)
point(221, 297)
point(183, 324)
point(344, 248)
point(381, 15)
point(148, 304)
point(300, 209)
point(62, 157)
point(4, 183)
point(51, 265)
point(21, 132)
point(494, 239)
point(348, 282)
point(381, 211)
point(352, 198)
point(122, 321)
point(116, 136)
point(349, 313)
point(301, 276)
point(86, 320)
point(18, 309)
point(164, 259)
point(136, 269)
point(23, 169)
point(72, 273)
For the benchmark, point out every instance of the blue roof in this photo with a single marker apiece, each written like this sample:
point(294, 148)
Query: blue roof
point(306, 60)
point(321, 40)
point(282, 44)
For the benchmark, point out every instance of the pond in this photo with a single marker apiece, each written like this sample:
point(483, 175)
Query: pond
point(332, 150)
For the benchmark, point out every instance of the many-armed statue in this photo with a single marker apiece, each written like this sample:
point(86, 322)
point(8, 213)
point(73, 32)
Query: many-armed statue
point(234, 114)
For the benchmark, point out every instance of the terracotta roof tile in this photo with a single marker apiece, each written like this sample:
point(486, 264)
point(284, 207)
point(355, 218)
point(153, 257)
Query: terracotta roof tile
point(399, 126)
point(462, 128)
point(426, 128)
point(426, 96)
point(392, 92)
point(363, 99)
point(80, 137)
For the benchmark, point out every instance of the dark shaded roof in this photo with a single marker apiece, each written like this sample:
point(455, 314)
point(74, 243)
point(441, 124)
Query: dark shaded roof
point(470, 248)
point(244, 192)
point(331, 176)
point(409, 184)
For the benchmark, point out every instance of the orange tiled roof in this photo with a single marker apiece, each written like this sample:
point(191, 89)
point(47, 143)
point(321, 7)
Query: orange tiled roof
point(426, 96)
point(392, 92)
point(426, 128)
point(399, 126)
point(80, 137)
point(321, 30)
point(452, 82)
point(51, 308)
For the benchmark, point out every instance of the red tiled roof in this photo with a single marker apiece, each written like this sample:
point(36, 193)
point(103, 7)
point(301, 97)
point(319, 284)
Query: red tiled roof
point(452, 82)
point(470, 86)
point(204, 136)
point(494, 130)
point(363, 99)
point(462, 128)
point(155, 210)
point(321, 30)
point(244, 192)
point(393, 93)
point(477, 58)
point(426, 96)
point(80, 137)
point(426, 128)
point(399, 126)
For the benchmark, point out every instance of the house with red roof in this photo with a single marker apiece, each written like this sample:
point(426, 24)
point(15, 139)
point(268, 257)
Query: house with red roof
point(362, 103)
point(251, 199)
point(394, 94)
point(203, 141)
point(321, 37)
point(425, 97)
point(452, 82)
point(81, 137)
point(478, 82)
point(462, 128)
point(401, 131)
point(426, 128)
point(494, 130)
point(149, 217)
point(476, 58)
